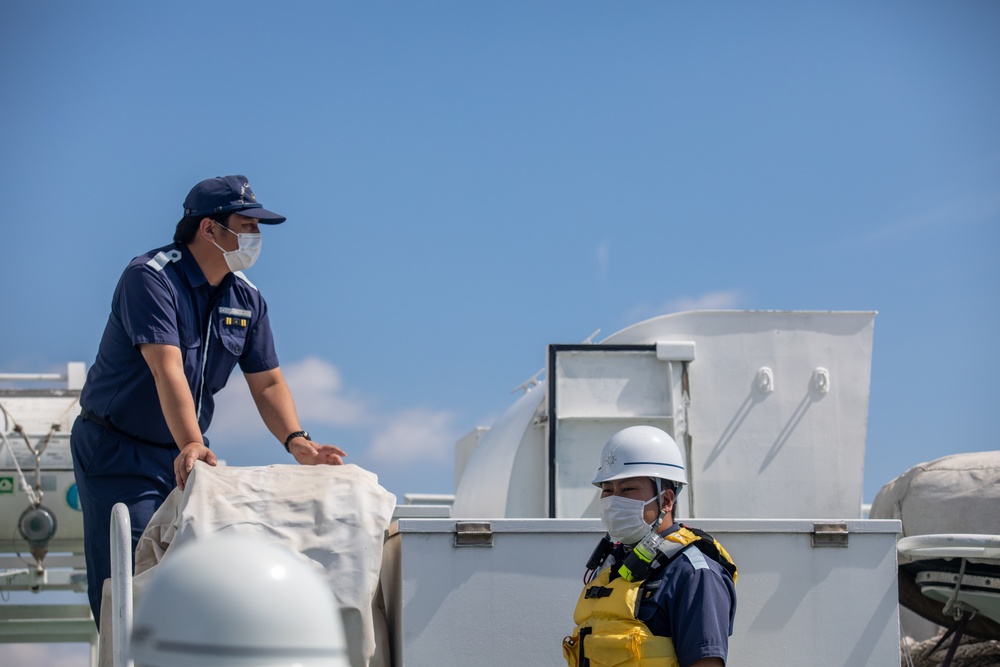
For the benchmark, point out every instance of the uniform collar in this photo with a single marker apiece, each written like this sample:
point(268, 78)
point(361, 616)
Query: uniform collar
point(674, 527)
point(193, 273)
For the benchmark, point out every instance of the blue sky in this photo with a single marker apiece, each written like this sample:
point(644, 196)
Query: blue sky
point(467, 182)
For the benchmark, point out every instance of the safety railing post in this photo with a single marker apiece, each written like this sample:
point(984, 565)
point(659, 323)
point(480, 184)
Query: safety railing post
point(121, 584)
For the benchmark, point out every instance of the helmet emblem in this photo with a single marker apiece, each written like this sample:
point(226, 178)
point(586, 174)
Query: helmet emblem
point(610, 459)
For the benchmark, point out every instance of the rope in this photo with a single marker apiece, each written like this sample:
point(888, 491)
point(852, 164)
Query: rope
point(28, 491)
point(65, 413)
point(953, 607)
point(971, 652)
point(906, 653)
point(55, 428)
point(34, 498)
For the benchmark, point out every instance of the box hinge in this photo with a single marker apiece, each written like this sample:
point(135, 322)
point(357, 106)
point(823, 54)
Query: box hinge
point(473, 534)
point(833, 534)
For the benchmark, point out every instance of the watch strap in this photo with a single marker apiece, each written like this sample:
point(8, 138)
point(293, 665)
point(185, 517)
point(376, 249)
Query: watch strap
point(292, 436)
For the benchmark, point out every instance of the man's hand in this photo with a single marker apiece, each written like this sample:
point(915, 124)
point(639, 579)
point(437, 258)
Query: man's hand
point(308, 453)
point(184, 463)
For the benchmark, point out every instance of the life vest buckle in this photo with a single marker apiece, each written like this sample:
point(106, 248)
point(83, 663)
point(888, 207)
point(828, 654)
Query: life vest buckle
point(597, 592)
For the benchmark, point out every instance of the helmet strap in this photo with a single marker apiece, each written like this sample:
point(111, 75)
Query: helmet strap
point(659, 499)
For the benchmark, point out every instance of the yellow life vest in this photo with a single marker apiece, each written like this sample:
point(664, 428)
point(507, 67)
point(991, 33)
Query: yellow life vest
point(608, 634)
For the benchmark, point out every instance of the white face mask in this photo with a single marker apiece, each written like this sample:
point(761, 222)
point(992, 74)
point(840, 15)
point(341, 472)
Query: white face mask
point(246, 252)
point(622, 518)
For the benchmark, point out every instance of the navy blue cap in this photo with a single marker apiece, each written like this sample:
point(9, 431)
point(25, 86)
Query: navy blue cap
point(227, 194)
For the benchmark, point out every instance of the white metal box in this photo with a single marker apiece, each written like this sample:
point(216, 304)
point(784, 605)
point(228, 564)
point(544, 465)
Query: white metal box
point(511, 602)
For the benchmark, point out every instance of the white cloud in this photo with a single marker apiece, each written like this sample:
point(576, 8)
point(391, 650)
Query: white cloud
point(408, 436)
point(415, 435)
point(318, 390)
point(319, 394)
point(722, 300)
point(980, 208)
point(711, 301)
point(603, 258)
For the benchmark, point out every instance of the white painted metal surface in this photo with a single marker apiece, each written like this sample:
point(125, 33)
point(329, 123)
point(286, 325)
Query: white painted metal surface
point(34, 453)
point(952, 545)
point(509, 455)
point(770, 409)
point(44, 417)
point(767, 406)
point(512, 603)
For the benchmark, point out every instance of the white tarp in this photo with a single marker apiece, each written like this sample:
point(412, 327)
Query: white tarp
point(336, 515)
point(954, 494)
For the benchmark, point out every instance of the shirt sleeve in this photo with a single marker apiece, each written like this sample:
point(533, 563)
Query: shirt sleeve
point(147, 307)
point(700, 609)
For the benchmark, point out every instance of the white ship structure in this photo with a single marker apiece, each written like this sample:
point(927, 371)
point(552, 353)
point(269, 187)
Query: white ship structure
point(769, 407)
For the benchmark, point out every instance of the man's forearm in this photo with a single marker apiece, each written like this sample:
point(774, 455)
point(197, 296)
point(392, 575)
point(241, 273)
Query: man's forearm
point(172, 388)
point(274, 402)
point(277, 409)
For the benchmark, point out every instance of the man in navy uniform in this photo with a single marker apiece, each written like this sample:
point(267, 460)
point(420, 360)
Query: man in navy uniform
point(657, 592)
point(182, 317)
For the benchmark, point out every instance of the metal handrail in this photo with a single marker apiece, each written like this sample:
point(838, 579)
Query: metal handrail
point(76, 372)
point(951, 545)
point(32, 377)
point(121, 584)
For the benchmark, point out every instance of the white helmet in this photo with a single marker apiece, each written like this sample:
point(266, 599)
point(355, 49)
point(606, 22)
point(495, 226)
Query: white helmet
point(641, 451)
point(229, 600)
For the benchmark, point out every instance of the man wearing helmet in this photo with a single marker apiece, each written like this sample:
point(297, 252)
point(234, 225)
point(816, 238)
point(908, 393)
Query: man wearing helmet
point(657, 593)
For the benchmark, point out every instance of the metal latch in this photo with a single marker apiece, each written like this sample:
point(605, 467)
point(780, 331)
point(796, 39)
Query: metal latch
point(473, 534)
point(830, 534)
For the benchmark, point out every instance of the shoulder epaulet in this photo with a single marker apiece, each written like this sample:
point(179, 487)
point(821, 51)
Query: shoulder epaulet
point(710, 546)
point(239, 274)
point(162, 259)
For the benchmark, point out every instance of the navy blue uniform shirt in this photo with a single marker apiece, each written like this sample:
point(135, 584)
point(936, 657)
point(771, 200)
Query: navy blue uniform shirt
point(163, 297)
point(693, 601)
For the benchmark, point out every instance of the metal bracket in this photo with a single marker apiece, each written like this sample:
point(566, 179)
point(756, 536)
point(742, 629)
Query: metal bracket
point(675, 350)
point(830, 534)
point(473, 534)
point(821, 380)
point(765, 380)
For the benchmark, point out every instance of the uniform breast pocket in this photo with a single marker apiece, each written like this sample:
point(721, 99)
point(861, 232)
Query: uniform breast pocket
point(232, 326)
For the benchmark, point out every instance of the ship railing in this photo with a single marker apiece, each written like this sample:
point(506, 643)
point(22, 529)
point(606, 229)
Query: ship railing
point(121, 584)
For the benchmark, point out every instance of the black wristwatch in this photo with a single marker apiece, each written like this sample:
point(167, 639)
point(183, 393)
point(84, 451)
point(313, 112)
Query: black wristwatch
point(292, 436)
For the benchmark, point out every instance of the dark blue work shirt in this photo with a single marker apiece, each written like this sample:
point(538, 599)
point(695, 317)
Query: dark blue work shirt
point(693, 601)
point(163, 297)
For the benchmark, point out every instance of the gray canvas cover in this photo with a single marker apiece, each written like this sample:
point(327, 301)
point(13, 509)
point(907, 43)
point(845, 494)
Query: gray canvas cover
point(954, 494)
